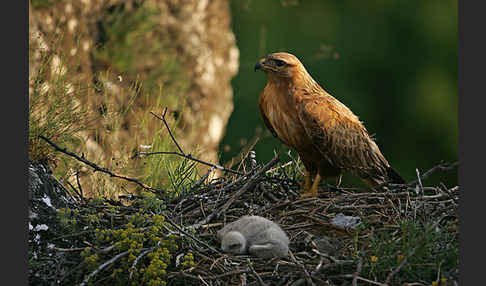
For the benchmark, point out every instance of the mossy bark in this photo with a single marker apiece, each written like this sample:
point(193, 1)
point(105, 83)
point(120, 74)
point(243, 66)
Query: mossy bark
point(176, 54)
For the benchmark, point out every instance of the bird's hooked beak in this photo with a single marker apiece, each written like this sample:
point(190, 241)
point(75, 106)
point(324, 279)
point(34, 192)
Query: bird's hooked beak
point(259, 65)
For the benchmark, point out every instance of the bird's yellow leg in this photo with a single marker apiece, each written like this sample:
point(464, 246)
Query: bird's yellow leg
point(312, 192)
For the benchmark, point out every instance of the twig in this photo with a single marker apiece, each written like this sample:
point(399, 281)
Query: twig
point(181, 152)
point(234, 272)
point(73, 234)
point(306, 273)
point(191, 236)
point(360, 278)
point(79, 185)
point(68, 249)
point(255, 273)
point(419, 181)
point(251, 183)
point(389, 277)
point(357, 272)
point(112, 260)
point(137, 259)
point(213, 277)
point(243, 279)
point(98, 168)
point(74, 190)
point(189, 156)
point(201, 180)
point(330, 257)
point(106, 249)
point(441, 167)
point(280, 167)
point(330, 265)
point(405, 259)
point(202, 280)
point(168, 129)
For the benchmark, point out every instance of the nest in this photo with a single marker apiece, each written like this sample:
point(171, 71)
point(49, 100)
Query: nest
point(321, 251)
point(319, 248)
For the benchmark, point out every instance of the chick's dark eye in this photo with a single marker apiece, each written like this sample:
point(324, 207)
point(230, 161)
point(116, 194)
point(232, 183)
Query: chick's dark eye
point(279, 63)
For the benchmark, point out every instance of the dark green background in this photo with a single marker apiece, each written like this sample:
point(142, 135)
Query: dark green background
point(394, 63)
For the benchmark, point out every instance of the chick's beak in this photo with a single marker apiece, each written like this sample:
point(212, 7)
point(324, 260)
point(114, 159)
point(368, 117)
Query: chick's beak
point(259, 65)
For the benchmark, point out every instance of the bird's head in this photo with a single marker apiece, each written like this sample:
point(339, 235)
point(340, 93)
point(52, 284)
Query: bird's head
point(282, 65)
point(234, 242)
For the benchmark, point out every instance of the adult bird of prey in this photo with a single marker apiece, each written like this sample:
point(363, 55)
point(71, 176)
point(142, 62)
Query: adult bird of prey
point(328, 136)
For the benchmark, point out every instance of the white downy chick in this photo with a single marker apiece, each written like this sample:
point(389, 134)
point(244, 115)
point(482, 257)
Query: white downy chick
point(255, 235)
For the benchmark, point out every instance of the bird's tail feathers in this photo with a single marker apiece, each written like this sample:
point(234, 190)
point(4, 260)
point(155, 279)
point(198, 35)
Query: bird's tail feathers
point(394, 177)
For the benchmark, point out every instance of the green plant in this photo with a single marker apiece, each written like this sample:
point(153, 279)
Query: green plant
point(134, 45)
point(54, 109)
point(169, 172)
point(426, 252)
point(147, 245)
point(38, 4)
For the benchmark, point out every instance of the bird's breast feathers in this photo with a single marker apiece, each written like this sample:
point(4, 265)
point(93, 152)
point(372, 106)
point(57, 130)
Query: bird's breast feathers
point(280, 109)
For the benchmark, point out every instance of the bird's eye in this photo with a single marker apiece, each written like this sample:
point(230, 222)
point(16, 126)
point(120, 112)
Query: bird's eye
point(279, 63)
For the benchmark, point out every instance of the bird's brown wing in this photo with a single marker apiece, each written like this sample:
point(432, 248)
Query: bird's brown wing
point(341, 138)
point(265, 119)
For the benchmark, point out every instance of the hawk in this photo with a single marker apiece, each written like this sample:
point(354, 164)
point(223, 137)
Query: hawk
point(327, 135)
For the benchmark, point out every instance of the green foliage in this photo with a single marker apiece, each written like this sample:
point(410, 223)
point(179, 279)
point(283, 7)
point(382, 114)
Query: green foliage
point(133, 44)
point(188, 261)
point(54, 111)
point(434, 250)
point(150, 202)
point(143, 231)
point(67, 218)
point(143, 236)
point(39, 4)
point(167, 171)
point(293, 169)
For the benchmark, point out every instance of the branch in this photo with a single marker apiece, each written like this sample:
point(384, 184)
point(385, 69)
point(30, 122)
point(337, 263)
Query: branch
point(181, 152)
point(189, 156)
point(136, 261)
point(191, 236)
point(357, 272)
point(97, 168)
point(112, 260)
point(306, 273)
point(168, 129)
point(441, 167)
point(255, 273)
point(250, 183)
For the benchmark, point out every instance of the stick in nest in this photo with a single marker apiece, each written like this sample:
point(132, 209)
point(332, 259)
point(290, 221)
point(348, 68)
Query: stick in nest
point(137, 259)
point(102, 266)
point(441, 167)
point(191, 236)
point(248, 185)
point(256, 274)
point(357, 272)
point(306, 273)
